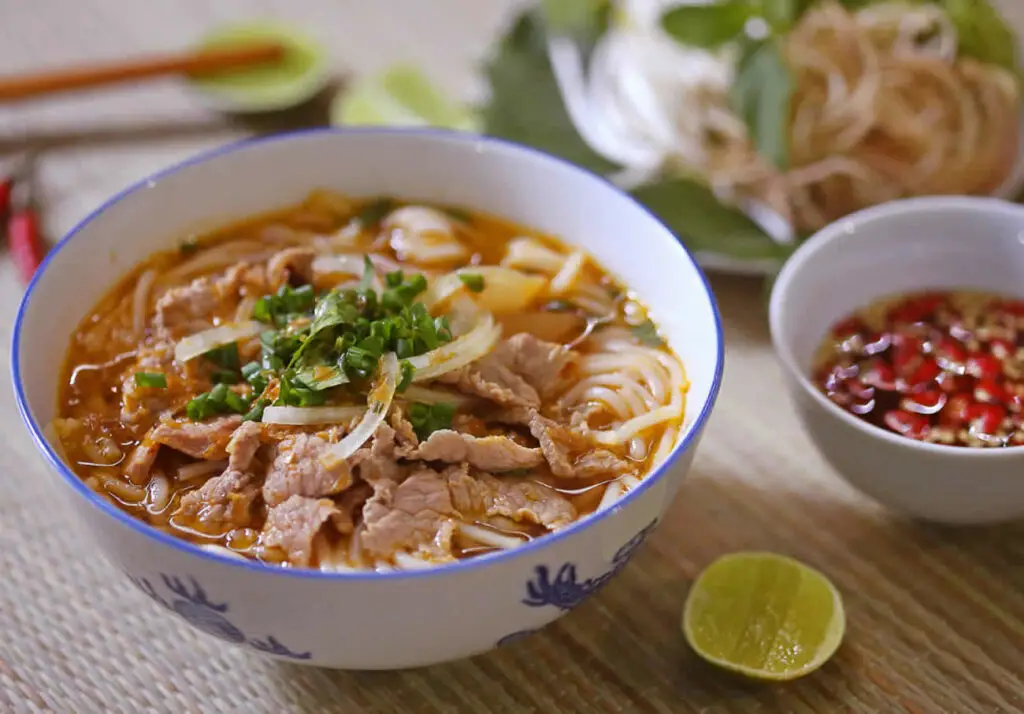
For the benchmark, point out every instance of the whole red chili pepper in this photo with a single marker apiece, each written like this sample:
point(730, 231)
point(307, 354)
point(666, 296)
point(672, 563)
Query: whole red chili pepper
point(23, 234)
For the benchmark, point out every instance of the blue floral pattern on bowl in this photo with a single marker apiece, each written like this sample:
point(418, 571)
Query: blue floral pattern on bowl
point(190, 603)
point(565, 590)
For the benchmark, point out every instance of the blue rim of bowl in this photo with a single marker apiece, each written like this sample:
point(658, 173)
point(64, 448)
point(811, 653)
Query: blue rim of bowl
point(188, 548)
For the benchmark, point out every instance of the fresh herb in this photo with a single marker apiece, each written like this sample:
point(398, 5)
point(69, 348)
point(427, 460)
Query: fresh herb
point(711, 25)
point(374, 211)
point(188, 246)
point(647, 333)
point(428, 418)
point(474, 282)
point(219, 400)
point(226, 360)
point(983, 33)
point(761, 95)
point(406, 375)
point(154, 380)
point(279, 309)
point(254, 374)
point(293, 393)
point(256, 412)
point(582, 20)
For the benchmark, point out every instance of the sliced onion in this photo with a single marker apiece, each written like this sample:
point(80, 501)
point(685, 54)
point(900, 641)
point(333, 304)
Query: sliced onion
point(569, 274)
point(528, 254)
point(505, 289)
point(377, 405)
point(349, 264)
point(202, 342)
point(462, 351)
point(305, 416)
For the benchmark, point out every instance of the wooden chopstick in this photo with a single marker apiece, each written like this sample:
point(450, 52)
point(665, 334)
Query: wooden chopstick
point(192, 63)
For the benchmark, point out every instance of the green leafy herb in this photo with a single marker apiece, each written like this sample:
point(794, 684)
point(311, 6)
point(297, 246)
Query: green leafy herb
point(525, 104)
point(694, 213)
point(374, 211)
point(256, 412)
point(761, 96)
point(983, 33)
point(285, 305)
point(709, 26)
point(154, 380)
point(219, 400)
point(226, 359)
point(293, 393)
point(406, 375)
point(583, 20)
point(474, 282)
point(647, 333)
point(428, 418)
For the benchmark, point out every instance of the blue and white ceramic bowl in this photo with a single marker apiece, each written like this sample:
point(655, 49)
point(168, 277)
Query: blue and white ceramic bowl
point(371, 620)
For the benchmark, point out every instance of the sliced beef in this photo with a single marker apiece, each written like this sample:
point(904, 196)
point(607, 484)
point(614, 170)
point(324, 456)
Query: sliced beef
point(405, 435)
point(379, 460)
point(294, 525)
point(141, 461)
point(489, 453)
point(292, 265)
point(200, 440)
point(242, 447)
point(544, 365)
point(221, 504)
point(192, 307)
point(141, 403)
point(298, 471)
point(408, 515)
point(570, 454)
point(517, 498)
point(491, 379)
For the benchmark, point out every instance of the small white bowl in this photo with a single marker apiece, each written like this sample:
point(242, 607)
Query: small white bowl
point(904, 246)
point(369, 620)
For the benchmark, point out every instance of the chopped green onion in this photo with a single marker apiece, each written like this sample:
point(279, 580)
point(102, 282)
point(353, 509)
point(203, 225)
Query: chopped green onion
point(428, 418)
point(284, 305)
point(155, 380)
point(474, 282)
point(373, 212)
point(256, 413)
point(408, 372)
point(368, 272)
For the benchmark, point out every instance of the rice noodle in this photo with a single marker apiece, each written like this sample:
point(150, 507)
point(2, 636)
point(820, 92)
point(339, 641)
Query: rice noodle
point(202, 342)
point(158, 493)
point(485, 536)
point(200, 469)
point(882, 108)
point(221, 550)
point(140, 301)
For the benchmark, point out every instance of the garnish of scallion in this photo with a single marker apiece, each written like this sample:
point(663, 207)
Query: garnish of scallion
point(154, 380)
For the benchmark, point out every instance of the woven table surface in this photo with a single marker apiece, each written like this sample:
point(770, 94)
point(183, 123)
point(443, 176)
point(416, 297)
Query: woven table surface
point(935, 616)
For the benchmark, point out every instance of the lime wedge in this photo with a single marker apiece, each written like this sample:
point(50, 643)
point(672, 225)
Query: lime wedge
point(297, 78)
point(764, 616)
point(400, 96)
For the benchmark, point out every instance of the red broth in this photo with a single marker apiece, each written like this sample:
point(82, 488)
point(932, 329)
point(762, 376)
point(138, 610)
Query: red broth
point(939, 367)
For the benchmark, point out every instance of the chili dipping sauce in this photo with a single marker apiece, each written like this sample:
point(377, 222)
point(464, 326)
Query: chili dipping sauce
point(940, 367)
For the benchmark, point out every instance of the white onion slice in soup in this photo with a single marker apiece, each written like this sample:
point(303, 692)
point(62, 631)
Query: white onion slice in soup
point(526, 253)
point(424, 235)
point(347, 264)
point(377, 404)
point(425, 395)
point(505, 290)
point(202, 342)
point(306, 416)
point(570, 272)
point(458, 353)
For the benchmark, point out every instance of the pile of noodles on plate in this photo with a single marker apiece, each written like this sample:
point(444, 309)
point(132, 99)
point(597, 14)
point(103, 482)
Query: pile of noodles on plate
point(883, 103)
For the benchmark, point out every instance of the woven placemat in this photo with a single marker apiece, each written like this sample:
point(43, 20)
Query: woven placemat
point(936, 616)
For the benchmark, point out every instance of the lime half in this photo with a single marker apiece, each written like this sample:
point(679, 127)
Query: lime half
point(400, 96)
point(299, 76)
point(764, 615)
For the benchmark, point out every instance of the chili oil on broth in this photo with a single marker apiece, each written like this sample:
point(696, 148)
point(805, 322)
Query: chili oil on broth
point(624, 373)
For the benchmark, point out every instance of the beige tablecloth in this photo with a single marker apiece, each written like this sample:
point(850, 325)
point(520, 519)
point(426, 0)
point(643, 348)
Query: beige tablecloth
point(936, 616)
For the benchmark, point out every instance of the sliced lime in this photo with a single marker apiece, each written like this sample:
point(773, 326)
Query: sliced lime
point(400, 96)
point(297, 78)
point(764, 615)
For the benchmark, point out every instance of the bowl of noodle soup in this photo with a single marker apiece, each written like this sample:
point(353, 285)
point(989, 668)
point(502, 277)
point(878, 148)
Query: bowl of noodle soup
point(857, 107)
point(299, 410)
